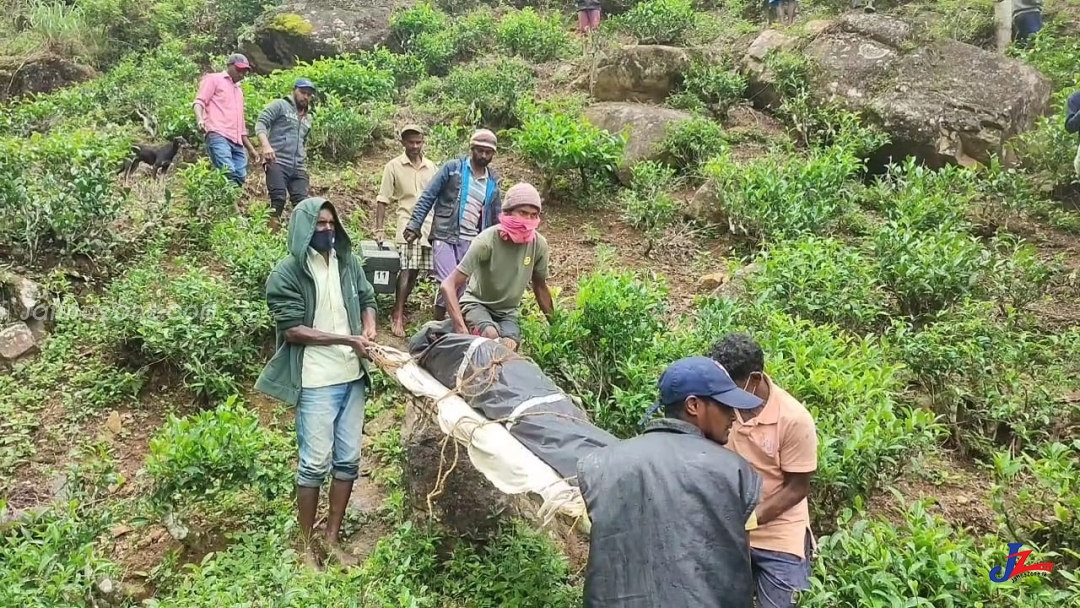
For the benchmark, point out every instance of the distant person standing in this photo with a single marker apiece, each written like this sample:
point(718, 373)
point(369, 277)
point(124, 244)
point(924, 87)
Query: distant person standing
point(464, 198)
point(282, 129)
point(1072, 125)
point(1026, 20)
point(219, 113)
point(403, 180)
point(588, 16)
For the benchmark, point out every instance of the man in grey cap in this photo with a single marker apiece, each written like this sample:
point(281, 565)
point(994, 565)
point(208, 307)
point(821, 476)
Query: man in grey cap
point(403, 179)
point(282, 129)
point(219, 112)
point(465, 197)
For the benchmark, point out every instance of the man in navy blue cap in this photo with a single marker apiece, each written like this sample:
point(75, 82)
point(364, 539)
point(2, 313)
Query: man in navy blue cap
point(670, 509)
point(282, 128)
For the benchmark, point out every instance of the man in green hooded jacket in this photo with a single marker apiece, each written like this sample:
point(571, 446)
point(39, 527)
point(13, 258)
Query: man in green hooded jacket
point(324, 312)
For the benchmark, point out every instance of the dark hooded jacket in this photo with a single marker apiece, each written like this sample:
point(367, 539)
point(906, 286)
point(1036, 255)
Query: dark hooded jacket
point(290, 294)
point(669, 510)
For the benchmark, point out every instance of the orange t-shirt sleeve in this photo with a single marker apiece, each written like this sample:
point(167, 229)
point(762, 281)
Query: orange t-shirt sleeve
point(799, 444)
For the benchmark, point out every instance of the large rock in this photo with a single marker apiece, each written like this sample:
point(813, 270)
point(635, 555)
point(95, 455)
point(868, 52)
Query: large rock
point(643, 73)
point(942, 101)
point(16, 341)
point(307, 30)
point(19, 77)
point(646, 128)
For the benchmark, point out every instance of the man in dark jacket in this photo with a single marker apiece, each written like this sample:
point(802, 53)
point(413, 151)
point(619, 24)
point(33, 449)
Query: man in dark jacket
point(464, 196)
point(282, 129)
point(670, 508)
point(324, 312)
point(1072, 125)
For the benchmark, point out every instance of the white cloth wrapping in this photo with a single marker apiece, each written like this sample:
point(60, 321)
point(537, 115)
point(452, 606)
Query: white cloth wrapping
point(501, 458)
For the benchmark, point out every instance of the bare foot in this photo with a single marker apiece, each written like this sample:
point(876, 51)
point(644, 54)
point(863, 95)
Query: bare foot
point(340, 555)
point(313, 557)
point(397, 326)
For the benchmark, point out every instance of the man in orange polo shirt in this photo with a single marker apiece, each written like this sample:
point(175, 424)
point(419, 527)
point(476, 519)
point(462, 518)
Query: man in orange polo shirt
point(779, 440)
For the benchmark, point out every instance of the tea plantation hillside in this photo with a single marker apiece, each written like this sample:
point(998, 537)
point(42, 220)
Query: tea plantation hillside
point(925, 311)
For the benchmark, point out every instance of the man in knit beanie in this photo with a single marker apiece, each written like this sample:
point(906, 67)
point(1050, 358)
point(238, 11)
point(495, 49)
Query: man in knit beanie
point(498, 267)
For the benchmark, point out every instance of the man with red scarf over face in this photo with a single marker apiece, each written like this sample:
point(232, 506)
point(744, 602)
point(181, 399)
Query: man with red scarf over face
point(498, 267)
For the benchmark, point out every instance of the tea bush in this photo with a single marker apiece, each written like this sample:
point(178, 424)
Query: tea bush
point(919, 560)
point(58, 191)
point(190, 320)
point(928, 268)
point(200, 457)
point(249, 250)
point(849, 385)
point(1036, 499)
point(711, 86)
point(648, 204)
point(478, 93)
point(572, 154)
point(534, 36)
point(342, 132)
point(209, 197)
point(994, 383)
point(660, 22)
point(438, 40)
point(824, 280)
point(57, 551)
point(781, 196)
point(689, 144)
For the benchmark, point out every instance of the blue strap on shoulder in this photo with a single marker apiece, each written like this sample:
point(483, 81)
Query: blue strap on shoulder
point(652, 410)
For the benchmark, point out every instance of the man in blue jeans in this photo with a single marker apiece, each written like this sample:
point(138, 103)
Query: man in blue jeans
point(324, 313)
point(219, 112)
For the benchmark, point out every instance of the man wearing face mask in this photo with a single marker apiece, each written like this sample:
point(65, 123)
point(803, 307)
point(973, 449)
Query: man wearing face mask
point(324, 314)
point(464, 197)
point(498, 267)
point(282, 129)
point(779, 439)
point(670, 507)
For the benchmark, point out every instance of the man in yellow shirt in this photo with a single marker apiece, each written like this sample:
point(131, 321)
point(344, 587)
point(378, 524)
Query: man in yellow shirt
point(403, 179)
point(779, 440)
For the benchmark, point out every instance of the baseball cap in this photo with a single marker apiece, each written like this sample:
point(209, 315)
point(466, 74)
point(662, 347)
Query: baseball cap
point(703, 377)
point(484, 139)
point(304, 83)
point(239, 61)
point(411, 127)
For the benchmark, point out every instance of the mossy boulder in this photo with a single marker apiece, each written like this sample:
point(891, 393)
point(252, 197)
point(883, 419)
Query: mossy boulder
point(314, 29)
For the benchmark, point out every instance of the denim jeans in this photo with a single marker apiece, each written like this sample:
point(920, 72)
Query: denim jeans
point(779, 575)
point(227, 155)
point(329, 427)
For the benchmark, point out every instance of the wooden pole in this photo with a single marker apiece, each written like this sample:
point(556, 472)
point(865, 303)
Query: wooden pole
point(1003, 16)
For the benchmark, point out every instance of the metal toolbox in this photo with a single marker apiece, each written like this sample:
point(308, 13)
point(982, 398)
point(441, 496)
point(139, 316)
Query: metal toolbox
point(381, 265)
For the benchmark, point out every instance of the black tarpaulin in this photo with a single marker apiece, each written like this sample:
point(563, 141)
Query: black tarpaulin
point(502, 385)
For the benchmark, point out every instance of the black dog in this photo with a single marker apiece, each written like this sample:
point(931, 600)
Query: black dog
point(159, 156)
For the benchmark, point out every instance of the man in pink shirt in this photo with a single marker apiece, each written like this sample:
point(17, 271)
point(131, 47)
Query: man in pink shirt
point(219, 110)
point(779, 439)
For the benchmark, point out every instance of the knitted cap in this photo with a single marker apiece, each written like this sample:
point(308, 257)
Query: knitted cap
point(484, 139)
point(521, 194)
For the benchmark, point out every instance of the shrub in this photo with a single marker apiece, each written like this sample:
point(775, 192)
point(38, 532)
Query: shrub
point(565, 145)
point(479, 93)
point(879, 563)
point(249, 249)
point(1035, 496)
point(648, 204)
point(688, 144)
point(708, 85)
point(994, 383)
point(350, 79)
point(534, 37)
point(660, 21)
point(780, 196)
point(189, 319)
point(209, 197)
point(341, 133)
point(199, 457)
point(437, 40)
point(848, 384)
point(923, 198)
point(823, 280)
point(58, 189)
point(929, 268)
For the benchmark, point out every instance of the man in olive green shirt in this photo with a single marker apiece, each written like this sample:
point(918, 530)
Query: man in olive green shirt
point(498, 267)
